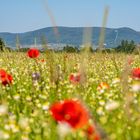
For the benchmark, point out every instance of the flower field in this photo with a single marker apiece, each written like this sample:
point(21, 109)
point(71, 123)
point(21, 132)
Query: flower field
point(69, 96)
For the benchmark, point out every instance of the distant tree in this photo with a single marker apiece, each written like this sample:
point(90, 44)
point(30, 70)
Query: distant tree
point(2, 45)
point(137, 49)
point(131, 46)
point(70, 49)
point(126, 47)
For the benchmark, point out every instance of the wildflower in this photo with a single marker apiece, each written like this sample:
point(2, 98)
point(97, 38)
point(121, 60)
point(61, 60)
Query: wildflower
point(16, 97)
point(4, 135)
point(35, 76)
point(100, 111)
point(3, 109)
point(23, 122)
point(42, 60)
point(45, 106)
point(71, 112)
point(136, 86)
point(24, 137)
point(33, 53)
point(136, 73)
point(116, 80)
point(5, 78)
point(103, 86)
point(63, 129)
point(90, 130)
point(75, 78)
point(112, 105)
point(92, 133)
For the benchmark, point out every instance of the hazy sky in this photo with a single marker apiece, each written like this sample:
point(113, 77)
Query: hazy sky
point(27, 15)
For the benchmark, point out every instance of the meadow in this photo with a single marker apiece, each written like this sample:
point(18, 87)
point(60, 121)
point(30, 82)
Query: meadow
point(102, 84)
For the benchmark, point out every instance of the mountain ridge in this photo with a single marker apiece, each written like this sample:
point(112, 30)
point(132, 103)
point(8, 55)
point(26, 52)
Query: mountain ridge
point(71, 35)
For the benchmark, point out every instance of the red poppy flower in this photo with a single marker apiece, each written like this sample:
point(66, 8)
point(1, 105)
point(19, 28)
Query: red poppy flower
point(2, 73)
point(71, 112)
point(33, 53)
point(75, 78)
point(90, 129)
point(136, 73)
point(5, 78)
point(92, 133)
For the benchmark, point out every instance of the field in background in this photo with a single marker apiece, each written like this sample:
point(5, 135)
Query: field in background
point(115, 108)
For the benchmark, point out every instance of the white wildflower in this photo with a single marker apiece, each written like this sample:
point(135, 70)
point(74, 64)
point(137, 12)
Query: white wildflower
point(3, 109)
point(63, 129)
point(112, 105)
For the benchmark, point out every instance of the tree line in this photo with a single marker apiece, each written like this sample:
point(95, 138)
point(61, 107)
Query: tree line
point(124, 47)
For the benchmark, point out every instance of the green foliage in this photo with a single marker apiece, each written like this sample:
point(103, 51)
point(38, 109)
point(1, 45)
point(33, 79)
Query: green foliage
point(126, 46)
point(2, 45)
point(137, 50)
point(70, 49)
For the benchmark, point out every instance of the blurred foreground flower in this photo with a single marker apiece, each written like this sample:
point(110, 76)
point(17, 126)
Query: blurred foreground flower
point(23, 122)
point(75, 78)
point(3, 109)
point(136, 73)
point(112, 105)
point(33, 53)
point(4, 135)
point(136, 86)
point(5, 78)
point(63, 129)
point(71, 112)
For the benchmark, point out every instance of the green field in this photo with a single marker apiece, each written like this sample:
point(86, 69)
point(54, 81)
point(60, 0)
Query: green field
point(24, 104)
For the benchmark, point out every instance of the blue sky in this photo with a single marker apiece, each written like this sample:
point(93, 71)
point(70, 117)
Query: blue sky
point(27, 15)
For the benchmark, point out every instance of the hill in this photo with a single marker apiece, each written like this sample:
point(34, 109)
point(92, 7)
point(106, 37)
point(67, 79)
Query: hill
point(72, 35)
